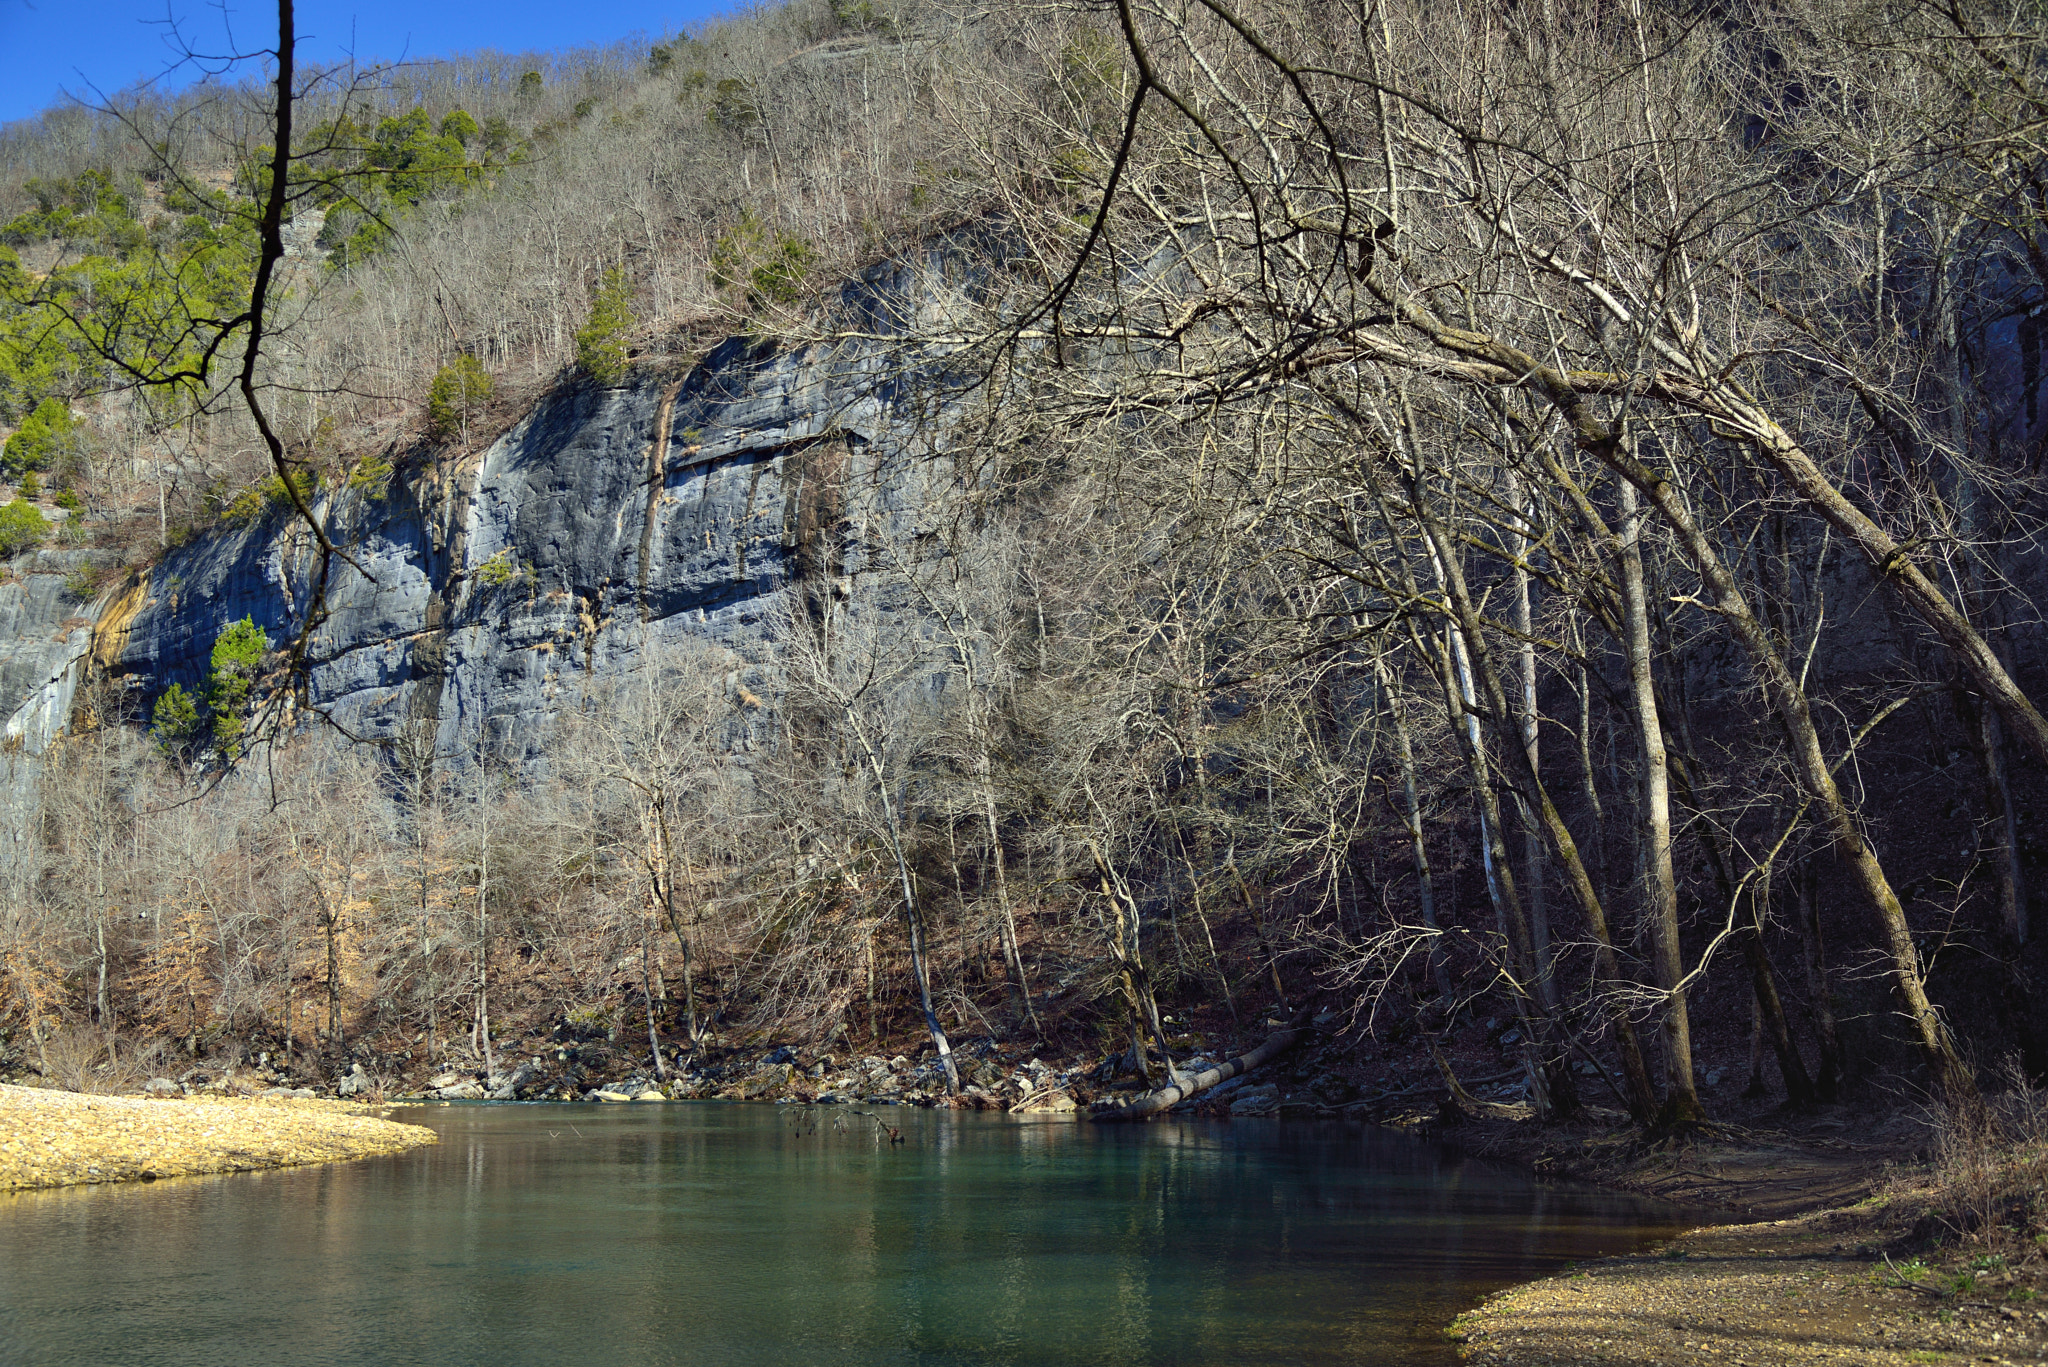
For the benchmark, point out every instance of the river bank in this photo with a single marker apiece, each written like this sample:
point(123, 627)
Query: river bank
point(1822, 1258)
point(1867, 1251)
point(1808, 1289)
point(54, 1139)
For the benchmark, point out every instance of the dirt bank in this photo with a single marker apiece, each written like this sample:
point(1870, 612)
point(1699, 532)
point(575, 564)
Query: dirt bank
point(55, 1139)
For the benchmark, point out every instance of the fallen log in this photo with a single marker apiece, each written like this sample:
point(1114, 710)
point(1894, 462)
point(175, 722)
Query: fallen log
point(1463, 1103)
point(1152, 1103)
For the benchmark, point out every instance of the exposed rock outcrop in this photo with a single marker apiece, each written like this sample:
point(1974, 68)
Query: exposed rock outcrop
point(488, 594)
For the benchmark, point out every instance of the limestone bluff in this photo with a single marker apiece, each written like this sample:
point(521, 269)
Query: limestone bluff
point(484, 593)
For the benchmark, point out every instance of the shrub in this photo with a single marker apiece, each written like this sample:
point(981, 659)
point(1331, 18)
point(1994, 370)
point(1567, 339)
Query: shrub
point(499, 569)
point(48, 438)
point(732, 106)
point(460, 125)
point(372, 477)
point(459, 388)
point(861, 16)
point(30, 487)
point(85, 582)
point(258, 499)
point(175, 719)
point(781, 277)
point(771, 266)
point(498, 136)
point(21, 525)
point(601, 341)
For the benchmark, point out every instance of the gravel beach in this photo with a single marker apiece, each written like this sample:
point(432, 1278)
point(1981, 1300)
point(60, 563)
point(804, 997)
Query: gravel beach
point(1787, 1291)
point(55, 1139)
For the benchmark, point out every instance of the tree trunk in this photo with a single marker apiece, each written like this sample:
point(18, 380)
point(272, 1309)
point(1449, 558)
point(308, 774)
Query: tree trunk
point(647, 995)
point(1834, 1061)
point(1951, 1075)
point(336, 1046)
point(1660, 894)
point(1013, 957)
point(1987, 744)
point(1526, 720)
point(1152, 1103)
point(1425, 885)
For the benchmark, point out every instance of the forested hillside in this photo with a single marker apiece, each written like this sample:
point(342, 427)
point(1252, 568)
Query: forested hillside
point(1513, 533)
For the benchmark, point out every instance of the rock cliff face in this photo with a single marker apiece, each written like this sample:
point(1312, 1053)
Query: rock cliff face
point(45, 642)
point(488, 595)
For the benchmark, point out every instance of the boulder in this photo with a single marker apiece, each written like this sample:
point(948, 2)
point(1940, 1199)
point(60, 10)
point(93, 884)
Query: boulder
point(162, 1086)
point(511, 1086)
point(451, 1079)
point(461, 1091)
point(1257, 1101)
point(1054, 1102)
point(767, 1084)
point(355, 1082)
point(1332, 1090)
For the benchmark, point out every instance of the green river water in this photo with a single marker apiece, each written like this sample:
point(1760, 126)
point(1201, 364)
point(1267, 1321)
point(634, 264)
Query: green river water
point(744, 1236)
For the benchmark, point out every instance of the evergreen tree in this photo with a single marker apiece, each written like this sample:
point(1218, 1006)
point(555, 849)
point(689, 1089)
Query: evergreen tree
point(601, 341)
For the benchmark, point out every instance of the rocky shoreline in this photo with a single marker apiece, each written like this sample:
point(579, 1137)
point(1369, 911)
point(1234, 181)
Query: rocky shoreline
point(993, 1077)
point(55, 1139)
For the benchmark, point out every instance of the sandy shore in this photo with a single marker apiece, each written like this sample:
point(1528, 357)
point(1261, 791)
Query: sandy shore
point(55, 1139)
point(1806, 1290)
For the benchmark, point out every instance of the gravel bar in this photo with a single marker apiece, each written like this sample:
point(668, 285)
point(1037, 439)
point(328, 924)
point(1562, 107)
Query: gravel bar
point(56, 1139)
point(1762, 1295)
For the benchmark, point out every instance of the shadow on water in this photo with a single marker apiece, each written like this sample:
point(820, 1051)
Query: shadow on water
point(737, 1236)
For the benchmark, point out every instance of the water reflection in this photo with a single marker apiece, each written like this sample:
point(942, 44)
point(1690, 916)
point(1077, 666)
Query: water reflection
point(742, 1235)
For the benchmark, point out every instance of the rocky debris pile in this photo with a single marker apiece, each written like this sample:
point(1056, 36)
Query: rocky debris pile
point(54, 1139)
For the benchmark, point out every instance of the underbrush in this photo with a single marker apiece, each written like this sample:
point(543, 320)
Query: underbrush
point(1983, 1199)
point(82, 1059)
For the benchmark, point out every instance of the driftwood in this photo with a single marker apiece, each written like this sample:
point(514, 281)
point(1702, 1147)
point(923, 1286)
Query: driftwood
point(1463, 1102)
point(1152, 1103)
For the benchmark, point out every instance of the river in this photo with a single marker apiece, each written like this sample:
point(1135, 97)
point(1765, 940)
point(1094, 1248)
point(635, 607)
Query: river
point(746, 1235)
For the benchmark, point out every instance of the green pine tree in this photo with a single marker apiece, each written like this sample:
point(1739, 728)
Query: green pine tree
point(601, 341)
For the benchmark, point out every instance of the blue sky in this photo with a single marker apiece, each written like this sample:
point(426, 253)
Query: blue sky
point(49, 46)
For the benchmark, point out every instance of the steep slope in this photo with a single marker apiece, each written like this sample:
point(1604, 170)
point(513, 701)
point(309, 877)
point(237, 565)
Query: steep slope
point(487, 594)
